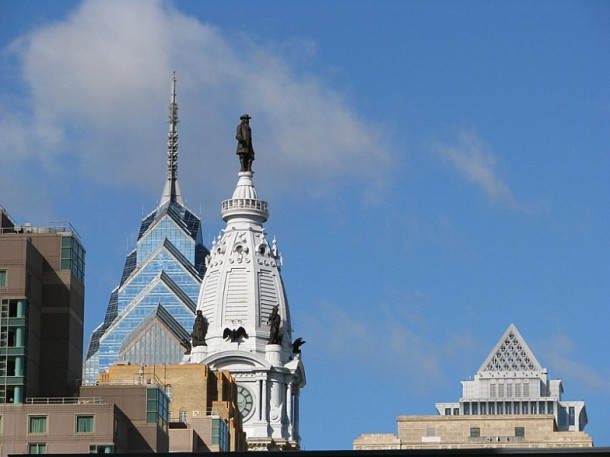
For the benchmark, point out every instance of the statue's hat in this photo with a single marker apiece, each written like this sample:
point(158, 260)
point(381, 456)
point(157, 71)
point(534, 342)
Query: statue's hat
point(245, 116)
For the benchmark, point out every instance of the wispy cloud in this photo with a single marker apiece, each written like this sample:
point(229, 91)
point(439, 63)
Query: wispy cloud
point(98, 86)
point(559, 354)
point(391, 341)
point(473, 159)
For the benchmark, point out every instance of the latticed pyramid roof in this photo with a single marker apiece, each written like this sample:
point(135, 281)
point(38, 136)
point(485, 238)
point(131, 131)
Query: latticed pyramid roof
point(511, 354)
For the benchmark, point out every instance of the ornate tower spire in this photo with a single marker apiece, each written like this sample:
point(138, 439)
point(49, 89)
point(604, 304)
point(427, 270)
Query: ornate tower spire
point(243, 300)
point(171, 191)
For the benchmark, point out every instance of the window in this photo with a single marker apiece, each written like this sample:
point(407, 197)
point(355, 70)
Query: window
point(73, 257)
point(517, 408)
point(526, 390)
point(101, 449)
point(38, 424)
point(475, 408)
point(524, 407)
point(220, 434)
point(2, 278)
point(550, 407)
point(16, 308)
point(534, 408)
point(509, 390)
point(447, 411)
point(157, 407)
point(501, 390)
point(571, 416)
point(483, 408)
point(466, 409)
point(492, 408)
point(37, 448)
point(500, 408)
point(475, 432)
point(563, 416)
point(456, 411)
point(492, 391)
point(541, 407)
point(517, 390)
point(508, 408)
point(520, 432)
point(182, 416)
point(84, 424)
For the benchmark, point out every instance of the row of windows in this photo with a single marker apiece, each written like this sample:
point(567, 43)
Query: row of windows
point(508, 407)
point(41, 448)
point(475, 432)
point(39, 424)
point(508, 390)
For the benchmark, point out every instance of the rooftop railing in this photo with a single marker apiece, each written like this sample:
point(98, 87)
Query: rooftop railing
point(54, 227)
point(244, 203)
point(64, 400)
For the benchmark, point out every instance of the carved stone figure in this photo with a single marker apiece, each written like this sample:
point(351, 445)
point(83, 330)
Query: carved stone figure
point(245, 151)
point(274, 322)
point(200, 329)
point(296, 346)
point(234, 334)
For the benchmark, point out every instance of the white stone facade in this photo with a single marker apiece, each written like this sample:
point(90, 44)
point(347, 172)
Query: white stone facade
point(241, 287)
point(511, 381)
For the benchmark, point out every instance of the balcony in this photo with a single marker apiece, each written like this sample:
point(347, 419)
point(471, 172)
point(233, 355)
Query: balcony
point(245, 206)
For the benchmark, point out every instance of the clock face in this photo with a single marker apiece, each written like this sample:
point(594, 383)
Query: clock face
point(244, 401)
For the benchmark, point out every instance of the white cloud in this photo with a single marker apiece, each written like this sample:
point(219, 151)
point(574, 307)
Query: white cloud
point(99, 87)
point(473, 159)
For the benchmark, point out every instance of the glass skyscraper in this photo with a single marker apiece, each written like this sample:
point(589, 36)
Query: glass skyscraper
point(153, 308)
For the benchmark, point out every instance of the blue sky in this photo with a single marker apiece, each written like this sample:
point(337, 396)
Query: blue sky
point(435, 171)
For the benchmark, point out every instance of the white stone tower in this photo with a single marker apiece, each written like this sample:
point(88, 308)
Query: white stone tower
point(240, 290)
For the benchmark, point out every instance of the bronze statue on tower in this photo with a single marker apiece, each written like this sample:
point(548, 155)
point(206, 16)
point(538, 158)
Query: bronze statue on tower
point(245, 151)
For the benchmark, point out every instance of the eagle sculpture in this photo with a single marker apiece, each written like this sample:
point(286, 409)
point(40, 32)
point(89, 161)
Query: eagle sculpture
point(296, 346)
point(234, 334)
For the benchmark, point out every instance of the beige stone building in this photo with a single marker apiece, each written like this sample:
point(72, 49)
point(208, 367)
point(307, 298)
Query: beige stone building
point(203, 414)
point(509, 403)
point(469, 432)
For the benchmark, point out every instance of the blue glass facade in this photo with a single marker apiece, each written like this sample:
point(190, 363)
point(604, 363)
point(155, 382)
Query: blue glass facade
point(165, 269)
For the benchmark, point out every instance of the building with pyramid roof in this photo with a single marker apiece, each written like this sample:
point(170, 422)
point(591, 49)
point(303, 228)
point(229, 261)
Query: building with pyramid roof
point(245, 318)
point(512, 381)
point(151, 311)
point(511, 402)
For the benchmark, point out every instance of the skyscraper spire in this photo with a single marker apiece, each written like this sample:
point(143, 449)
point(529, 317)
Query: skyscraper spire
point(171, 191)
